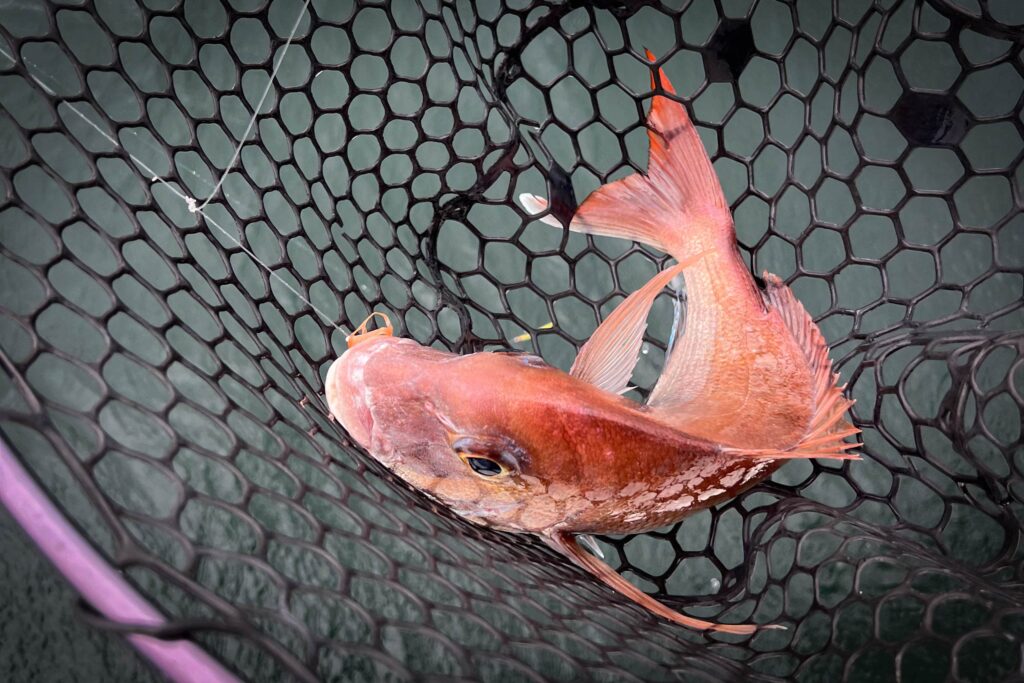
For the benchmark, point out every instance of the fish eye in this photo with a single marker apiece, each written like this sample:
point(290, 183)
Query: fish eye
point(487, 456)
point(483, 466)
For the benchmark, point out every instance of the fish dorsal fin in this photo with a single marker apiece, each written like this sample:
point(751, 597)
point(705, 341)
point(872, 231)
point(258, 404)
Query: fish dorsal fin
point(828, 426)
point(567, 545)
point(806, 334)
point(609, 356)
point(677, 206)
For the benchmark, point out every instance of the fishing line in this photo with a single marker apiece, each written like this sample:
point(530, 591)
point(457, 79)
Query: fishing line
point(191, 202)
point(259, 105)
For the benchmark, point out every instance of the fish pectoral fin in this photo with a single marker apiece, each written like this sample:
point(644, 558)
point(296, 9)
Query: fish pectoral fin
point(566, 544)
point(591, 542)
point(609, 356)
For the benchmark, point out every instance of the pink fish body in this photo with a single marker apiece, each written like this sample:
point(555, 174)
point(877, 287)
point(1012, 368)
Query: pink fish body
point(508, 441)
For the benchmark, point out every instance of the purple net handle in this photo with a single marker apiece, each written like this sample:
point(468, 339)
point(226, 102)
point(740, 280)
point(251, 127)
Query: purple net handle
point(100, 584)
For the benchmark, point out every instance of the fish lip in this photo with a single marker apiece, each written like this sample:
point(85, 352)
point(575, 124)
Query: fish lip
point(347, 402)
point(331, 392)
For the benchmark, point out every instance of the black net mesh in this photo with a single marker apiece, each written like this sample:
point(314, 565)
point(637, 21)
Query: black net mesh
point(154, 357)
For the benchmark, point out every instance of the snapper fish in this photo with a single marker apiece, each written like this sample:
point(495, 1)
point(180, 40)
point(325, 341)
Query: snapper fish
point(507, 441)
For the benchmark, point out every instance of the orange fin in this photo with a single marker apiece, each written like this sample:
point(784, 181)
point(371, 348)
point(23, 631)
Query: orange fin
point(828, 428)
point(567, 545)
point(679, 199)
point(609, 356)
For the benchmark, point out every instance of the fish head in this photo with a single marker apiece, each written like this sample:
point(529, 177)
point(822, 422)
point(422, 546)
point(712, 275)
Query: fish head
point(440, 422)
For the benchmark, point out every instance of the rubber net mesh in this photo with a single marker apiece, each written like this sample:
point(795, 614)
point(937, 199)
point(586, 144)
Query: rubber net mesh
point(153, 368)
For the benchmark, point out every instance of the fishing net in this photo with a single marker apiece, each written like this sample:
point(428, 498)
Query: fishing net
point(200, 198)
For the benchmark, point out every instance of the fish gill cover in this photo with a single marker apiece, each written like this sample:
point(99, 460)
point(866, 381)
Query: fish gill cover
point(200, 198)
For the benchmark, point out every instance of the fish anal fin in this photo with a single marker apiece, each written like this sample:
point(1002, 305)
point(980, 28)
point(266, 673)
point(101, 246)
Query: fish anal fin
point(828, 427)
point(796, 453)
point(677, 206)
point(566, 544)
point(609, 356)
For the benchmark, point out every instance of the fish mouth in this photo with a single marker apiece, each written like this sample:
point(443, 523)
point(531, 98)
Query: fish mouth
point(346, 397)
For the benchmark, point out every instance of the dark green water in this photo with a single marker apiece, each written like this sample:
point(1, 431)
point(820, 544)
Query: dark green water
point(41, 639)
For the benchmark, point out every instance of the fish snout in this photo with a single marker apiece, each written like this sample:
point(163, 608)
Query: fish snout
point(346, 397)
point(380, 386)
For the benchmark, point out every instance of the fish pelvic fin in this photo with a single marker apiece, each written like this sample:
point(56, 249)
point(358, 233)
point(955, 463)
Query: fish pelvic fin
point(609, 356)
point(676, 206)
point(828, 428)
point(567, 545)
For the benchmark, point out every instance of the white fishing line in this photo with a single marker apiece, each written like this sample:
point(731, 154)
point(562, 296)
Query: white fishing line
point(191, 202)
point(259, 105)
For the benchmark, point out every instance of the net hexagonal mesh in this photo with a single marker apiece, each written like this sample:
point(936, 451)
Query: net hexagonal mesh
point(196, 195)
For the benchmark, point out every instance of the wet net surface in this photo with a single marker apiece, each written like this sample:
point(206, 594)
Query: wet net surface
point(368, 156)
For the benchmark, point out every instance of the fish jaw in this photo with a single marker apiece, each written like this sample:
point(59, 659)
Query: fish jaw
point(347, 406)
point(347, 392)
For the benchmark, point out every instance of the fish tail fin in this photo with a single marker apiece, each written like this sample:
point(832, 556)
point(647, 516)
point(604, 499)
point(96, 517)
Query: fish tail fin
point(675, 207)
point(828, 428)
point(566, 544)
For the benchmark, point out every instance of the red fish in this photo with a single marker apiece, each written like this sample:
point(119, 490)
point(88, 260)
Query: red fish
point(508, 441)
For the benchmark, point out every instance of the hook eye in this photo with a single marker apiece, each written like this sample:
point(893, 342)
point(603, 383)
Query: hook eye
point(361, 334)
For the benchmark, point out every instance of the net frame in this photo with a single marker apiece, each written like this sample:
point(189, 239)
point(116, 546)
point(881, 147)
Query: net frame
point(98, 583)
point(865, 352)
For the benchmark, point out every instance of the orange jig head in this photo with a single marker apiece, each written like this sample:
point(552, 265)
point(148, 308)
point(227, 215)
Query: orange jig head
point(361, 334)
